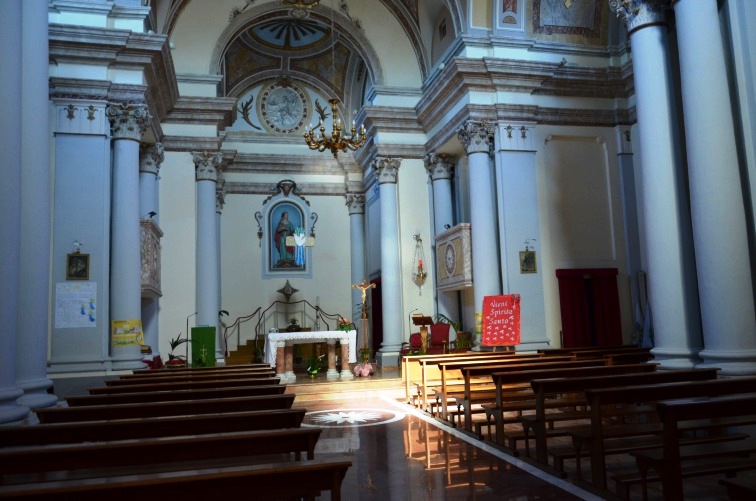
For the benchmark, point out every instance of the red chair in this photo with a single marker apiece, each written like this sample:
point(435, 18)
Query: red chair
point(439, 338)
point(415, 343)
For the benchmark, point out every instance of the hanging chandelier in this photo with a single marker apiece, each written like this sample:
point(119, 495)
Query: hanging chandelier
point(317, 139)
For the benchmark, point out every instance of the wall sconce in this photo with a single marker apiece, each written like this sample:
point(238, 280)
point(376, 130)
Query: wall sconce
point(418, 266)
point(258, 218)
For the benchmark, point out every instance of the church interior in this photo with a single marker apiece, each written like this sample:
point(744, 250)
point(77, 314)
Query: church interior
point(354, 204)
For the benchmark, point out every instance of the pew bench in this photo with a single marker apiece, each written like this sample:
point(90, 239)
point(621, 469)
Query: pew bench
point(593, 437)
point(161, 409)
point(229, 368)
point(185, 385)
point(172, 396)
point(272, 481)
point(675, 460)
point(154, 427)
point(45, 463)
point(576, 381)
point(143, 380)
point(740, 489)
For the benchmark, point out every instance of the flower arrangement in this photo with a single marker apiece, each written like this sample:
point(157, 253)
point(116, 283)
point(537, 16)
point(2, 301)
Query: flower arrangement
point(344, 325)
point(313, 364)
point(364, 368)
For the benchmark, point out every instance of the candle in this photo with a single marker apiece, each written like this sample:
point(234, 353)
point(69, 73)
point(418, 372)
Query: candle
point(420, 264)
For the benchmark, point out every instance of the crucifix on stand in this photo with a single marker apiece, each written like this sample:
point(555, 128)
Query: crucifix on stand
point(364, 286)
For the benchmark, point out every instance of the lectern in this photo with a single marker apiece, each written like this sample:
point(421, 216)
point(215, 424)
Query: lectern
point(423, 322)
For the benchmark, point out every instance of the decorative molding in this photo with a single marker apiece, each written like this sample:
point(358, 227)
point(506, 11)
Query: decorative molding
point(386, 170)
point(454, 258)
point(207, 165)
point(190, 143)
point(217, 111)
point(637, 14)
point(476, 137)
point(355, 202)
point(150, 235)
point(439, 166)
point(128, 121)
point(150, 157)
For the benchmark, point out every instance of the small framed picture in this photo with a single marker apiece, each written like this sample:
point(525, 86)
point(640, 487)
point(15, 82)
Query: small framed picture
point(77, 266)
point(528, 262)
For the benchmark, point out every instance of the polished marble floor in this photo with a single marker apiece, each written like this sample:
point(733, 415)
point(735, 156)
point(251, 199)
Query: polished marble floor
point(401, 453)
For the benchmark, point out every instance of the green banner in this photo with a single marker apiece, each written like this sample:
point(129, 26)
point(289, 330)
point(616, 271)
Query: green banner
point(203, 346)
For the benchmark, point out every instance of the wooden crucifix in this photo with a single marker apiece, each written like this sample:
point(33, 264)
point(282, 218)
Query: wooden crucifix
point(364, 286)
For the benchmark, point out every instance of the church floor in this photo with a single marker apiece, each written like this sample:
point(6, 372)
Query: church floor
point(401, 453)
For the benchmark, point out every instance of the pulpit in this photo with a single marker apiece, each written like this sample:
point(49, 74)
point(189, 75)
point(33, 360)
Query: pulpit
point(422, 321)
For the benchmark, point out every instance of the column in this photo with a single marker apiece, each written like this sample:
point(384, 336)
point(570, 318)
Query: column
point(207, 166)
point(630, 216)
point(672, 285)
point(10, 207)
point(151, 156)
point(127, 123)
point(220, 201)
point(477, 139)
point(355, 202)
point(519, 223)
point(440, 168)
point(716, 192)
point(387, 173)
point(34, 267)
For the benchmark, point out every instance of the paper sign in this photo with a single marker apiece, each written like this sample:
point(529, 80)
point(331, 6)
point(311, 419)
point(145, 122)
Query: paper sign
point(501, 320)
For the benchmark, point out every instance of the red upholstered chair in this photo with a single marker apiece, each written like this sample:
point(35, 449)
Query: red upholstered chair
point(415, 343)
point(439, 338)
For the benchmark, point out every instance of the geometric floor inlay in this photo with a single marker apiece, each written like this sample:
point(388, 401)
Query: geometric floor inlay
point(342, 418)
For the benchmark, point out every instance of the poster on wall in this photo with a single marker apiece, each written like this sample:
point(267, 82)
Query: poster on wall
point(501, 320)
point(126, 333)
point(75, 305)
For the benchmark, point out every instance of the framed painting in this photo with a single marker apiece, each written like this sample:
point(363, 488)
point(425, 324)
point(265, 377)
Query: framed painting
point(528, 262)
point(284, 218)
point(77, 266)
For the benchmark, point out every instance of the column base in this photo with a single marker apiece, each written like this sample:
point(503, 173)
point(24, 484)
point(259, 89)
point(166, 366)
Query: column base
point(732, 363)
point(290, 376)
point(332, 374)
point(346, 374)
point(387, 358)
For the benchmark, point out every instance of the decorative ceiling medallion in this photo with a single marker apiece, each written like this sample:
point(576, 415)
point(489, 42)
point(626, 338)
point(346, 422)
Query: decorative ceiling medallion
point(283, 107)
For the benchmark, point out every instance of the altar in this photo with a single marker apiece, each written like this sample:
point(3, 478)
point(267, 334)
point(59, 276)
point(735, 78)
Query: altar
point(279, 351)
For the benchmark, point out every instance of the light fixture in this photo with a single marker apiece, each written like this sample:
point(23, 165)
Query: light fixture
point(316, 138)
point(418, 267)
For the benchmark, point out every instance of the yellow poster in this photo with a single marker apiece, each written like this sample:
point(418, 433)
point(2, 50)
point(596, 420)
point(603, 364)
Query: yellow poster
point(126, 333)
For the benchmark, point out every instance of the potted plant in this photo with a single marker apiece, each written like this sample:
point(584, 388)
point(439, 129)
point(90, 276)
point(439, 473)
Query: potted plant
point(463, 338)
point(174, 360)
point(314, 364)
point(293, 326)
point(364, 368)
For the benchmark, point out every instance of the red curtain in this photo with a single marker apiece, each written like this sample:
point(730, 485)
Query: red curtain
point(589, 304)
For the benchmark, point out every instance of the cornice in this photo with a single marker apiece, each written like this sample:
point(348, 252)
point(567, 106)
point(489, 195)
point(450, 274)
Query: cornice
point(190, 143)
point(309, 189)
point(253, 163)
point(217, 111)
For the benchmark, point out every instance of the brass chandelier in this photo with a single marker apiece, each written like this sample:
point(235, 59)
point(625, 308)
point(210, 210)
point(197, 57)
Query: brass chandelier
point(317, 139)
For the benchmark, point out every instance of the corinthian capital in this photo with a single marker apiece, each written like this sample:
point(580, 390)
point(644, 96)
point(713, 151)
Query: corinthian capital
point(640, 13)
point(128, 121)
point(386, 169)
point(439, 166)
point(355, 202)
point(476, 137)
point(207, 165)
point(150, 158)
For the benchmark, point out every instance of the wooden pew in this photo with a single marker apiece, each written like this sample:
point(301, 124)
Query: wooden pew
point(567, 351)
point(172, 396)
point(157, 409)
point(125, 429)
point(190, 377)
point(424, 369)
point(229, 368)
point(503, 380)
point(260, 482)
point(148, 455)
point(595, 435)
point(544, 389)
point(236, 369)
point(740, 489)
point(675, 460)
point(479, 371)
point(185, 385)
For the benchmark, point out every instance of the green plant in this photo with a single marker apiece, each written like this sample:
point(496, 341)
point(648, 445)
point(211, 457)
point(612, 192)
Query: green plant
point(175, 343)
point(314, 364)
point(440, 317)
point(364, 355)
